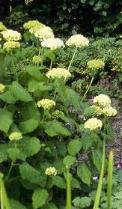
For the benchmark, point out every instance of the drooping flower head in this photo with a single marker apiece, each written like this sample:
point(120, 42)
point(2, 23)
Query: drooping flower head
point(77, 40)
point(52, 43)
point(9, 45)
point(11, 35)
point(15, 136)
point(51, 171)
point(95, 64)
point(93, 124)
point(58, 73)
point(102, 100)
point(2, 88)
point(32, 24)
point(109, 111)
point(46, 104)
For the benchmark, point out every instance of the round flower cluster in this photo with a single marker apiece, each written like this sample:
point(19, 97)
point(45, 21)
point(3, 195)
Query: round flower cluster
point(46, 104)
point(93, 124)
point(52, 43)
point(96, 109)
point(51, 171)
point(2, 88)
point(15, 136)
point(42, 33)
point(9, 45)
point(32, 24)
point(95, 64)
point(2, 27)
point(58, 73)
point(36, 59)
point(109, 111)
point(102, 100)
point(77, 40)
point(11, 35)
point(57, 114)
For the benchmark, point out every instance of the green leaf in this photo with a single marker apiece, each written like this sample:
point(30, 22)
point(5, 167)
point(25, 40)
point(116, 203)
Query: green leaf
point(69, 160)
point(28, 126)
point(3, 152)
point(30, 174)
point(75, 183)
point(72, 98)
point(51, 205)
point(8, 97)
point(97, 158)
point(39, 198)
point(19, 92)
point(84, 173)
point(30, 110)
point(34, 72)
point(34, 85)
point(59, 182)
point(16, 204)
point(74, 147)
point(29, 146)
point(55, 128)
point(5, 120)
point(14, 153)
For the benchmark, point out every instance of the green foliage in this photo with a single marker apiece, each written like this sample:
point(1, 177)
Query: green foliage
point(39, 198)
point(74, 147)
point(6, 120)
point(84, 173)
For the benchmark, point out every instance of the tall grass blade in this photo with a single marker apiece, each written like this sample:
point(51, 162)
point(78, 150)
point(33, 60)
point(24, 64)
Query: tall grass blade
point(100, 182)
point(109, 181)
point(4, 202)
point(68, 189)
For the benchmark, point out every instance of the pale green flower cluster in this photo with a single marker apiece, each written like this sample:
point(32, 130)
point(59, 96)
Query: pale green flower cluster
point(102, 105)
point(93, 124)
point(58, 73)
point(57, 114)
point(95, 64)
point(52, 43)
point(15, 136)
point(9, 45)
point(36, 59)
point(2, 88)
point(77, 40)
point(32, 24)
point(2, 27)
point(46, 104)
point(42, 33)
point(51, 171)
point(11, 35)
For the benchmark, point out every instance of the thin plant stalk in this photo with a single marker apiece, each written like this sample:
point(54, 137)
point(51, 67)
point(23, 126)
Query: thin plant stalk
point(100, 182)
point(109, 180)
point(88, 87)
point(68, 189)
point(70, 64)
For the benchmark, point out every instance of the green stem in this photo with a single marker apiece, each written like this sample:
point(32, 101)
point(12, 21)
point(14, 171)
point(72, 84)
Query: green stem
point(9, 172)
point(88, 88)
point(100, 183)
point(68, 189)
point(109, 181)
point(72, 58)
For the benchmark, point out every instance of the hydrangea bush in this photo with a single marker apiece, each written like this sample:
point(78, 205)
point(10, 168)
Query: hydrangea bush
point(45, 124)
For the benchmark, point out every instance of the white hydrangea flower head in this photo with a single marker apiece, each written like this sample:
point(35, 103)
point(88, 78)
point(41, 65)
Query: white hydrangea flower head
point(109, 111)
point(51, 171)
point(11, 35)
point(58, 73)
point(15, 136)
point(93, 124)
point(36, 59)
point(102, 100)
point(47, 104)
point(9, 45)
point(43, 33)
point(2, 88)
point(77, 40)
point(32, 24)
point(2, 27)
point(95, 64)
point(52, 43)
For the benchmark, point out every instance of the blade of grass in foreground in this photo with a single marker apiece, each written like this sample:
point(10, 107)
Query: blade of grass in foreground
point(68, 189)
point(100, 182)
point(109, 180)
point(4, 202)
